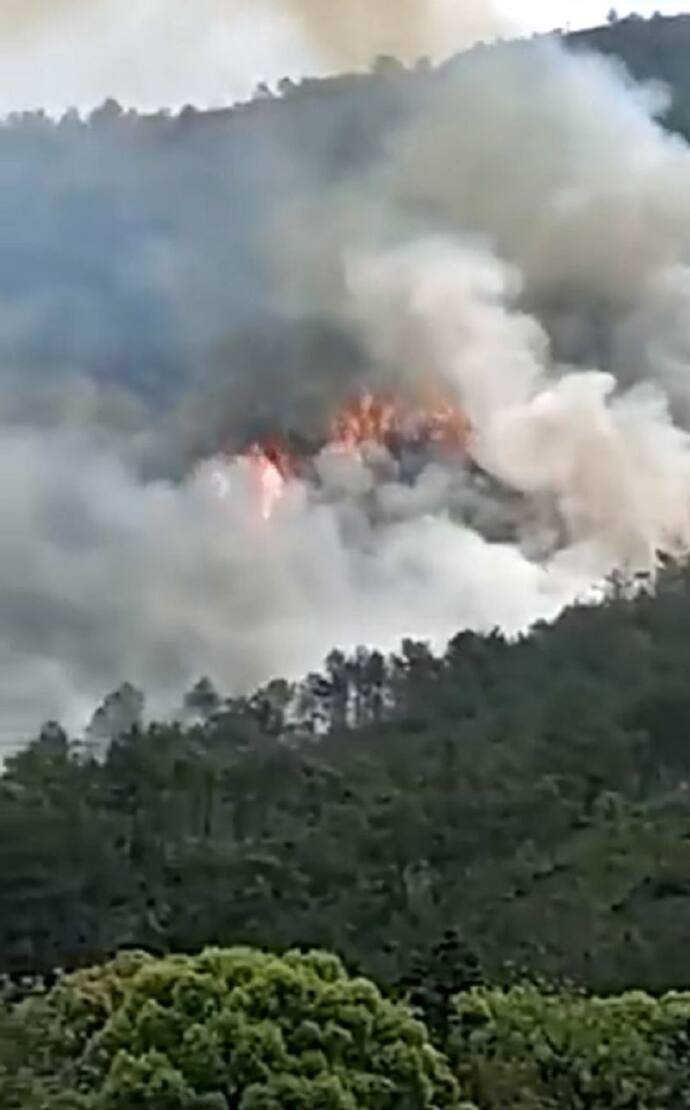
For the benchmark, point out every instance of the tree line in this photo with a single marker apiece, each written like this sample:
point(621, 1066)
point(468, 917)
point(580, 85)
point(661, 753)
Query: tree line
point(241, 1029)
point(529, 799)
point(495, 841)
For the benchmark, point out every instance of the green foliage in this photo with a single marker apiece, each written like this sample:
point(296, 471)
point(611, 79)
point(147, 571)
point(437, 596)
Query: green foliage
point(435, 976)
point(225, 1029)
point(519, 808)
point(530, 798)
point(35, 1046)
point(509, 809)
point(532, 1048)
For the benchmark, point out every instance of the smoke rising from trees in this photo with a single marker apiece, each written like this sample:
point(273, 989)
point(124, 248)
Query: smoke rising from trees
point(514, 225)
point(354, 32)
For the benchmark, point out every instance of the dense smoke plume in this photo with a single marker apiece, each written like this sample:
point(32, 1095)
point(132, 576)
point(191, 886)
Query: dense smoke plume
point(353, 32)
point(213, 50)
point(515, 238)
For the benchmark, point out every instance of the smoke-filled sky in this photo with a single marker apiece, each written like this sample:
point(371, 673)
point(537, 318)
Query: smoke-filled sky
point(513, 230)
point(59, 53)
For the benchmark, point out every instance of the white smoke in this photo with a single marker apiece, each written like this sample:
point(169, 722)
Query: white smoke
point(557, 200)
point(569, 177)
point(168, 582)
point(610, 463)
point(105, 579)
point(59, 53)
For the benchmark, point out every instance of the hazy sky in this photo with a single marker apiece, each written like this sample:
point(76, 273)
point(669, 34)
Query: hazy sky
point(153, 52)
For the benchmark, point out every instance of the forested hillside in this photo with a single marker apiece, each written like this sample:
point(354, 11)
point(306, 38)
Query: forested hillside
point(494, 840)
point(453, 827)
point(529, 798)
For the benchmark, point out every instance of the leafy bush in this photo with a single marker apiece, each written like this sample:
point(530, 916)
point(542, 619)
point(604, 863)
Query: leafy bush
point(234, 1029)
point(563, 1050)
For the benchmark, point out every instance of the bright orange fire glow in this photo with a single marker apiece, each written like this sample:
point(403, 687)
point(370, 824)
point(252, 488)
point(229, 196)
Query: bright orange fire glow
point(370, 419)
point(374, 419)
point(272, 468)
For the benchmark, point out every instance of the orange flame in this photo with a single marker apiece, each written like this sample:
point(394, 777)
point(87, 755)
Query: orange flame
point(271, 467)
point(371, 419)
point(374, 419)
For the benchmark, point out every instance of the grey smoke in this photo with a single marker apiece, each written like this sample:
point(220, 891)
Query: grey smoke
point(521, 234)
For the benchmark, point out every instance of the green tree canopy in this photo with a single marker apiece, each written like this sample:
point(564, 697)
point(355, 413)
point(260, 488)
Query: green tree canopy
point(234, 1029)
point(561, 1050)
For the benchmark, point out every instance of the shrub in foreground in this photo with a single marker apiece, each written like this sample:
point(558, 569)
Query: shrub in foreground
point(530, 1049)
point(230, 1029)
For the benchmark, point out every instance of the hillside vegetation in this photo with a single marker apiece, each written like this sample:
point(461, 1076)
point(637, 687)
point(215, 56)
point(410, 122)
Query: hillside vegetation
point(494, 842)
point(532, 797)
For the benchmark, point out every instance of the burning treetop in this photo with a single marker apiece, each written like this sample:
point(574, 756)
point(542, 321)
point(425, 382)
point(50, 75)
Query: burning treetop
point(370, 420)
